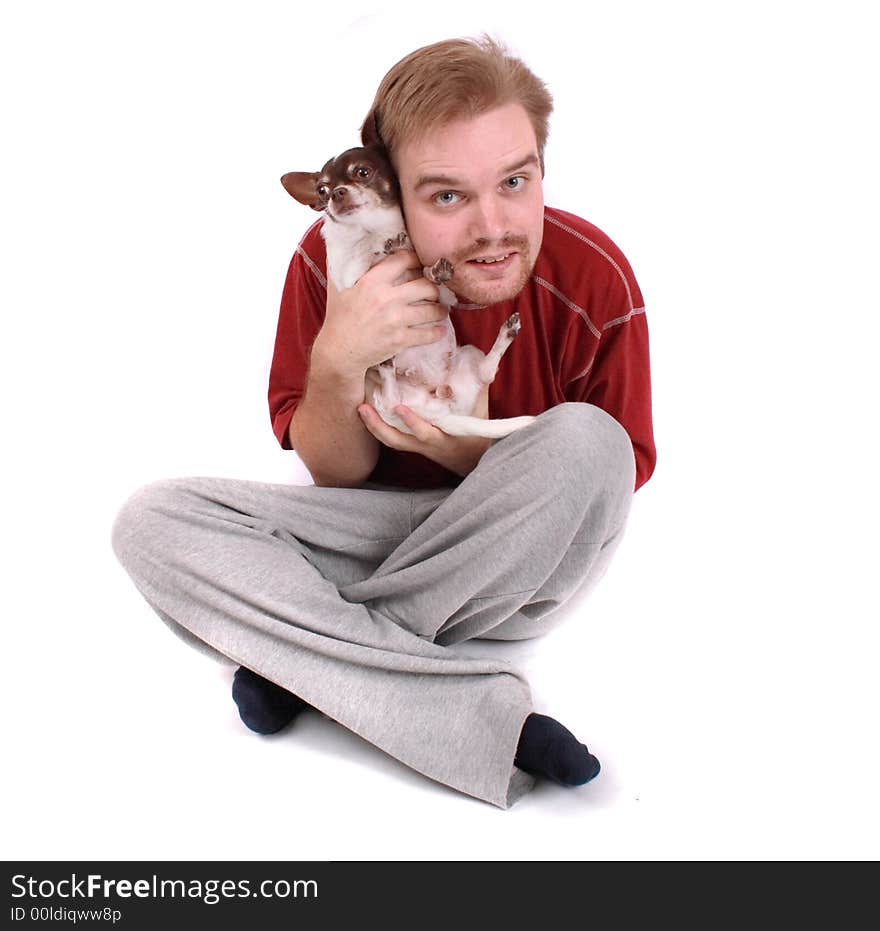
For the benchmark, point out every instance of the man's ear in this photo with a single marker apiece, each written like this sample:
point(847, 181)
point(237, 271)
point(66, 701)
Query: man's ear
point(302, 186)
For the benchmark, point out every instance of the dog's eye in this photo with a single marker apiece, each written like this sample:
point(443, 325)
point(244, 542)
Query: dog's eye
point(323, 190)
point(362, 172)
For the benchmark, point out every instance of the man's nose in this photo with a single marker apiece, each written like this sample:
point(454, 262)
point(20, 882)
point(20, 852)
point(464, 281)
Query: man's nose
point(489, 219)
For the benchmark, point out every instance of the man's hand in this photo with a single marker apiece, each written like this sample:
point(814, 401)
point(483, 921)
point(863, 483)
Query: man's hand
point(378, 317)
point(458, 454)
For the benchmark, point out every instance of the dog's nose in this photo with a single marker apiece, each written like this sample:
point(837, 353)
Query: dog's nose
point(340, 194)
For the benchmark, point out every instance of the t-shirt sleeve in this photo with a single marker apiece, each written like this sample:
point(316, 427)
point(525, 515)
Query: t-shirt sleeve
point(619, 382)
point(618, 378)
point(303, 304)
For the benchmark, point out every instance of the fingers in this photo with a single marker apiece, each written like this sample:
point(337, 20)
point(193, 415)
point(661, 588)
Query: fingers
point(380, 316)
point(423, 336)
point(423, 314)
point(383, 432)
point(403, 272)
point(396, 265)
point(418, 320)
point(424, 434)
point(416, 291)
point(423, 431)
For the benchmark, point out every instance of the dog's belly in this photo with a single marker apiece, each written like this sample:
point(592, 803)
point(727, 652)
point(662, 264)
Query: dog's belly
point(432, 403)
point(421, 399)
point(434, 381)
point(425, 401)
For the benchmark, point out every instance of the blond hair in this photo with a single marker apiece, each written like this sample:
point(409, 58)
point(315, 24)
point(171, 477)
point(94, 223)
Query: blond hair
point(454, 79)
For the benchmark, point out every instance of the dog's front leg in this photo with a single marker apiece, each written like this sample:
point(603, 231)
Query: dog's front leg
point(441, 272)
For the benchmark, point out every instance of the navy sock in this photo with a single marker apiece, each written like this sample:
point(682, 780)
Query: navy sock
point(546, 748)
point(263, 706)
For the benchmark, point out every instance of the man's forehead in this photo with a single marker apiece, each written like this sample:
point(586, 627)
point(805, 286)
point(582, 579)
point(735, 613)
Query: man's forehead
point(490, 142)
point(431, 174)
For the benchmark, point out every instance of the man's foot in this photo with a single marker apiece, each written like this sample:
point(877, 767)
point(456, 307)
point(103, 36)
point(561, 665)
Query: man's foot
point(546, 748)
point(263, 706)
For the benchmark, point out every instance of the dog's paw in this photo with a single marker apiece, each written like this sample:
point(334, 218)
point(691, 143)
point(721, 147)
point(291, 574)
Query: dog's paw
point(396, 243)
point(440, 272)
point(513, 325)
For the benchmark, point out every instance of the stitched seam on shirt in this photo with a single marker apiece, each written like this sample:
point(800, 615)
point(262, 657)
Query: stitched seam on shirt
point(317, 272)
point(598, 249)
point(618, 320)
point(307, 233)
point(570, 304)
point(584, 372)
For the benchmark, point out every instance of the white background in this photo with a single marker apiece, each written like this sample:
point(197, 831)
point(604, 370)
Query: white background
point(725, 669)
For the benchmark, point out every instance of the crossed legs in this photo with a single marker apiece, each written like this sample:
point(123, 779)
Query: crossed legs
point(349, 598)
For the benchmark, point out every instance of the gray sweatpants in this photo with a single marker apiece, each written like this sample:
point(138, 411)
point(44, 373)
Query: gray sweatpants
point(351, 597)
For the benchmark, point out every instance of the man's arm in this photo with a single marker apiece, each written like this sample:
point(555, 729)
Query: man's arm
point(327, 432)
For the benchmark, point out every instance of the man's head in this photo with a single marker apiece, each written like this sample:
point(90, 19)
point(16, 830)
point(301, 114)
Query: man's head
point(465, 125)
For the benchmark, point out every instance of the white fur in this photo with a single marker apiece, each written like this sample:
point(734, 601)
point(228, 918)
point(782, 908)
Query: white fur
point(356, 242)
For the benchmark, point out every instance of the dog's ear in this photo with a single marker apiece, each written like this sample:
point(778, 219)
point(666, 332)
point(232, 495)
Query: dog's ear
point(303, 186)
point(370, 134)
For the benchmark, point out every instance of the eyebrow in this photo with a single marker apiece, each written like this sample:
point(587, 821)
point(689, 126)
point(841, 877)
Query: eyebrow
point(446, 180)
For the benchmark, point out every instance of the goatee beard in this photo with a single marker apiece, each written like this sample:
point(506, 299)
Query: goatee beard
point(469, 289)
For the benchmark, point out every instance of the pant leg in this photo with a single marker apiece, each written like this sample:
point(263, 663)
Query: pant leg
point(253, 571)
point(539, 518)
point(348, 598)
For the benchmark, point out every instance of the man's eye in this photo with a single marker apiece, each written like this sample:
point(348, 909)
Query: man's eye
point(517, 183)
point(446, 198)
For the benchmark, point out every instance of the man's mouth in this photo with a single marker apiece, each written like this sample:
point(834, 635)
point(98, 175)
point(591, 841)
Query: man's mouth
point(496, 263)
point(489, 259)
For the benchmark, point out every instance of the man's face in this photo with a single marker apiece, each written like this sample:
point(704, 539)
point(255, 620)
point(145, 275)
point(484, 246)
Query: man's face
point(472, 189)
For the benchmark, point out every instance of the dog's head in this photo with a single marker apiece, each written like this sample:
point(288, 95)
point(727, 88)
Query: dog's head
point(358, 181)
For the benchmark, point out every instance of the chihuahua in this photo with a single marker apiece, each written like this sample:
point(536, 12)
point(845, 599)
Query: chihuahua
point(359, 195)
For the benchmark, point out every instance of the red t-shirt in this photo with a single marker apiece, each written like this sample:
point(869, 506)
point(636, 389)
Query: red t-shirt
point(584, 337)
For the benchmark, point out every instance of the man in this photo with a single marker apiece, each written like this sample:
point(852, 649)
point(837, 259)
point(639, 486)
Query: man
point(346, 596)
